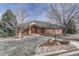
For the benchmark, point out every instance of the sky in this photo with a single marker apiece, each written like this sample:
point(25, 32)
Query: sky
point(36, 11)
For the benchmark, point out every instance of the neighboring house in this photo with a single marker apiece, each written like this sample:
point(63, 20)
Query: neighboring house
point(39, 27)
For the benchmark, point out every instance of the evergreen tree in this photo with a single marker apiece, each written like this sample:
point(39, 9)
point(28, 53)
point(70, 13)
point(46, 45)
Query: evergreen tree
point(8, 23)
point(71, 28)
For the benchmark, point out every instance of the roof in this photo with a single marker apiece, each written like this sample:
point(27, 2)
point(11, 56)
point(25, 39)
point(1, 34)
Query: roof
point(41, 24)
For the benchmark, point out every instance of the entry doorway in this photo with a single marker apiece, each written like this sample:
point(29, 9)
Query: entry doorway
point(34, 30)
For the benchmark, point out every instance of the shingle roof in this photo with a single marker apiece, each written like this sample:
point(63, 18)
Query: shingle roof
point(41, 24)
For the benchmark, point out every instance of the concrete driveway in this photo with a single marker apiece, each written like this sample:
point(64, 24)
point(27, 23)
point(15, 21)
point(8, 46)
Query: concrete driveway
point(20, 47)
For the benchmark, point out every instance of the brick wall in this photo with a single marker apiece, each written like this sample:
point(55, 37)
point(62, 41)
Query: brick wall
point(46, 31)
point(54, 31)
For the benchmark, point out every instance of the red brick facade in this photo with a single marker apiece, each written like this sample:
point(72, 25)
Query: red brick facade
point(33, 29)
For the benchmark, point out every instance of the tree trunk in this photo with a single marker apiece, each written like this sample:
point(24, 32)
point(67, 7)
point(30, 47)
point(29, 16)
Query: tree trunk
point(20, 34)
point(55, 36)
point(64, 31)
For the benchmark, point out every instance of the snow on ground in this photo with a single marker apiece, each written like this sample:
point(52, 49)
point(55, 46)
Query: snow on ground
point(12, 46)
point(54, 48)
point(76, 43)
point(21, 47)
point(74, 38)
point(70, 36)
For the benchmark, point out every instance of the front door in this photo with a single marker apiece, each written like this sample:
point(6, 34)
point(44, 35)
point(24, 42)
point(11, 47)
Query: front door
point(34, 30)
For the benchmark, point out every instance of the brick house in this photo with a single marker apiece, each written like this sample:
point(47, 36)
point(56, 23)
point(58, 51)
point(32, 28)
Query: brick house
point(40, 28)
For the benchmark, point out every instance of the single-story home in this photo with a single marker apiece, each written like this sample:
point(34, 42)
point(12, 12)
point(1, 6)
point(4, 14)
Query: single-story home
point(40, 28)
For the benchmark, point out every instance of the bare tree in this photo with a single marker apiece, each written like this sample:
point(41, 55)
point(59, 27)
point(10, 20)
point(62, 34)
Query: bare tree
point(21, 15)
point(63, 14)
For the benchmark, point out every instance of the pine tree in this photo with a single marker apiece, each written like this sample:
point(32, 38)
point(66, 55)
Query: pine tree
point(8, 23)
point(71, 28)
